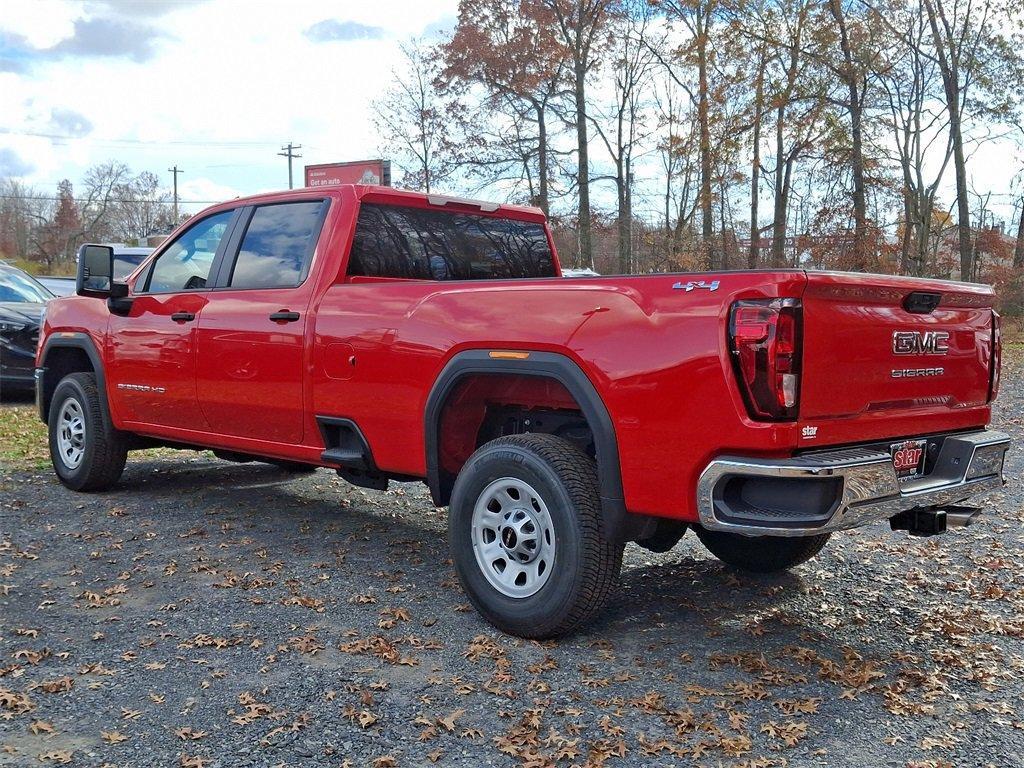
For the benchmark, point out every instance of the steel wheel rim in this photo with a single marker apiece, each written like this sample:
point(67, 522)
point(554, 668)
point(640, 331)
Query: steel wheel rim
point(71, 433)
point(513, 537)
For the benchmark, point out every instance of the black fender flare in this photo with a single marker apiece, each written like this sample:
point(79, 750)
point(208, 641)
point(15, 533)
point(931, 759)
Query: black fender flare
point(75, 340)
point(549, 365)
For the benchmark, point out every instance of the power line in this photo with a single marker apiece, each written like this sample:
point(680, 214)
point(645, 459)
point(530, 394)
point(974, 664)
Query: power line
point(173, 142)
point(107, 199)
point(287, 151)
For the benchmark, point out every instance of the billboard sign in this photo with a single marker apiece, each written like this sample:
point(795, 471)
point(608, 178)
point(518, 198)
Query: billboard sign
point(358, 172)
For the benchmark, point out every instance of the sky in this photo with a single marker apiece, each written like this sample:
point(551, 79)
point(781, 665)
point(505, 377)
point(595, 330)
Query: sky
point(217, 87)
point(214, 87)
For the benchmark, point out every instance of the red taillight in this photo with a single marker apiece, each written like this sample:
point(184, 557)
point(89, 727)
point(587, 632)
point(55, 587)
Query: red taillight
point(997, 358)
point(764, 338)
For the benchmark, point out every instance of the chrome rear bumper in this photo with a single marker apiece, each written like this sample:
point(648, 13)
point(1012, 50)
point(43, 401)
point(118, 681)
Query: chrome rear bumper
point(843, 488)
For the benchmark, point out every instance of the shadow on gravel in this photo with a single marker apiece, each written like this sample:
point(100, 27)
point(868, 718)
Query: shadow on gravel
point(694, 599)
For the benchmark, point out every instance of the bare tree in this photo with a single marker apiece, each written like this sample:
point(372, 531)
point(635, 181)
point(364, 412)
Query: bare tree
point(853, 68)
point(698, 17)
point(622, 128)
point(972, 55)
point(413, 121)
point(102, 187)
point(581, 25)
point(918, 130)
point(143, 208)
point(513, 49)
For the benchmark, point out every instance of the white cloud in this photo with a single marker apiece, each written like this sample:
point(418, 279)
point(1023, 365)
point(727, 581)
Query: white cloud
point(42, 23)
point(208, 190)
point(12, 165)
point(226, 86)
point(333, 30)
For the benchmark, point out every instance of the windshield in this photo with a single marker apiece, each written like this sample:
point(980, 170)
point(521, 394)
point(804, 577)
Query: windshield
point(125, 263)
point(19, 287)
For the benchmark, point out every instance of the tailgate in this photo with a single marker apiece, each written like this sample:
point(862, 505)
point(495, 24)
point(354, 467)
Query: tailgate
point(874, 344)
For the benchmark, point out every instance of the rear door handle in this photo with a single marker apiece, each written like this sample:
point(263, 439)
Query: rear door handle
point(284, 316)
point(183, 317)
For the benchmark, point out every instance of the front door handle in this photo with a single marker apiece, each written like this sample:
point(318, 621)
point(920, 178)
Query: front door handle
point(183, 317)
point(284, 316)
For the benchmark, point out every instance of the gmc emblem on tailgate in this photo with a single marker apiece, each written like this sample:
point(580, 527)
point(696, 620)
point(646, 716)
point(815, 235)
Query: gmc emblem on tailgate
point(920, 342)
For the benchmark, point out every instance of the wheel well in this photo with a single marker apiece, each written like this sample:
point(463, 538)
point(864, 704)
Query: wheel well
point(59, 362)
point(483, 406)
point(545, 387)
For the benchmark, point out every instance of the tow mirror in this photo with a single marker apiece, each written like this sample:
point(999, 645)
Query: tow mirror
point(95, 271)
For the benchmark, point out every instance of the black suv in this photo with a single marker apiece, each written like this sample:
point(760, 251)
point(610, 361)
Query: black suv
point(22, 307)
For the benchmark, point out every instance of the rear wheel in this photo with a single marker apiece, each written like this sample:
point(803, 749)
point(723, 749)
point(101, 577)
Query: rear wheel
point(87, 452)
point(761, 554)
point(526, 536)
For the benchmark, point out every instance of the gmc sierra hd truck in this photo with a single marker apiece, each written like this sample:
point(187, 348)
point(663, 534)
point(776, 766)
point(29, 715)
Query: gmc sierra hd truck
point(392, 335)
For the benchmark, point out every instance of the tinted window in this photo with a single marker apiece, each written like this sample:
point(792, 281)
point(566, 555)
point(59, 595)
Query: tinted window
point(185, 265)
point(438, 245)
point(19, 287)
point(277, 246)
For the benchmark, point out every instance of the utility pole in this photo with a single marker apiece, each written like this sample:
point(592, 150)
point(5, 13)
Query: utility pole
point(175, 171)
point(289, 152)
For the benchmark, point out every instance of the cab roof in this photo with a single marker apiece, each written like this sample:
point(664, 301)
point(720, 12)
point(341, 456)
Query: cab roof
point(391, 196)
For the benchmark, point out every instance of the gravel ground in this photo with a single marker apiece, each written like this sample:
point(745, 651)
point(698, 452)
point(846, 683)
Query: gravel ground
point(209, 614)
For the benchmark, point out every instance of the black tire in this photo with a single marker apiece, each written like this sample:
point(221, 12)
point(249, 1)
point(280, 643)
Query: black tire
point(761, 554)
point(585, 565)
point(104, 449)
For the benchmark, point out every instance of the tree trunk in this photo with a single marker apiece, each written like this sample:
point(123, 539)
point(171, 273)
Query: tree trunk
point(542, 157)
point(620, 218)
point(779, 222)
point(706, 207)
point(963, 209)
point(849, 77)
point(724, 263)
point(668, 202)
point(583, 166)
point(949, 69)
point(755, 167)
point(909, 227)
point(1018, 249)
point(628, 215)
point(924, 234)
point(860, 204)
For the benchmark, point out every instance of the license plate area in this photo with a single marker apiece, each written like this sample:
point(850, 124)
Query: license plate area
point(908, 458)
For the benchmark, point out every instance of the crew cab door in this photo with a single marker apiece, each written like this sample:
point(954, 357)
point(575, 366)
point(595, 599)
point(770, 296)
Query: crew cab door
point(151, 348)
point(251, 346)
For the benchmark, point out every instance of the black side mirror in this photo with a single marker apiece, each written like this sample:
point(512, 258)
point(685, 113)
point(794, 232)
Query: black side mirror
point(95, 271)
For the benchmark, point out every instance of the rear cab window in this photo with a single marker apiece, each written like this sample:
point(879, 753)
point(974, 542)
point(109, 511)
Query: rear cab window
point(420, 244)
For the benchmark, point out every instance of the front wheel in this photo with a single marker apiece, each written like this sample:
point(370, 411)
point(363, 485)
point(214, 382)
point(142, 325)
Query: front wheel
point(527, 538)
point(761, 554)
point(87, 452)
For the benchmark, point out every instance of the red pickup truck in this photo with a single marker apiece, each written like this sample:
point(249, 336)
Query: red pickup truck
point(391, 335)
